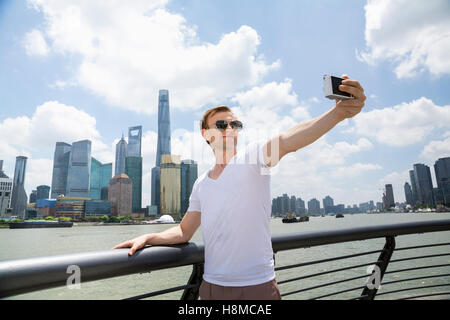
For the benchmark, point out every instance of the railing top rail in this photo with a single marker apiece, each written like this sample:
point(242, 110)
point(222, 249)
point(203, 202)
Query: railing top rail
point(25, 275)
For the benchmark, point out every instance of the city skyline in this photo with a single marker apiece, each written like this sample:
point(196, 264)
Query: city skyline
point(190, 165)
point(269, 71)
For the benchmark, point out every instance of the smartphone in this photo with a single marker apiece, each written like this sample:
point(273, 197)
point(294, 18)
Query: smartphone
point(331, 88)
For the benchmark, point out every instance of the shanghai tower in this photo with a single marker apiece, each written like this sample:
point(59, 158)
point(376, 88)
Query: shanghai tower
point(163, 126)
point(163, 146)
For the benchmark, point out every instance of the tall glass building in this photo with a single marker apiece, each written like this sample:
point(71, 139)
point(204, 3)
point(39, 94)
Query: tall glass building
point(33, 196)
point(5, 191)
point(19, 197)
point(133, 169)
point(415, 196)
point(170, 186)
point(121, 154)
point(163, 146)
point(43, 192)
point(60, 169)
point(100, 176)
point(189, 173)
point(389, 197)
point(442, 172)
point(134, 141)
point(79, 171)
point(156, 185)
point(422, 177)
point(408, 193)
point(313, 206)
point(120, 195)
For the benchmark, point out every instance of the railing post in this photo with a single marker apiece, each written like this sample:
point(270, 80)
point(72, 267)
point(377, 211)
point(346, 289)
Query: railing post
point(196, 279)
point(382, 263)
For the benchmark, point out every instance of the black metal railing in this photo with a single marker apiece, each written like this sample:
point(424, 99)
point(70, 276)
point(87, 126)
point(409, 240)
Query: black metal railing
point(26, 275)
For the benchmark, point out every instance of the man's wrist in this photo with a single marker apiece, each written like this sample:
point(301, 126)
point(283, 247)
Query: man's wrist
point(335, 115)
point(149, 238)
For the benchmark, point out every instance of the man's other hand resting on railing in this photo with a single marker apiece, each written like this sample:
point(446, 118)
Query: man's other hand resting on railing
point(178, 234)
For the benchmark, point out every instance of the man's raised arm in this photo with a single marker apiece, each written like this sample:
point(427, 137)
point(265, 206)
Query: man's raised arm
point(309, 131)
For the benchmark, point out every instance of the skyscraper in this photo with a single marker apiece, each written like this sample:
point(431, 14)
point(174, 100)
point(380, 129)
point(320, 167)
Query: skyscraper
point(163, 146)
point(292, 205)
point(389, 196)
point(5, 191)
point(134, 141)
point(301, 206)
point(60, 169)
point(133, 169)
point(100, 176)
point(415, 196)
point(33, 196)
point(121, 153)
point(189, 173)
point(79, 170)
point(285, 204)
point(170, 186)
point(313, 206)
point(120, 194)
point(422, 177)
point(43, 192)
point(408, 194)
point(133, 165)
point(328, 204)
point(442, 172)
point(19, 196)
point(156, 185)
point(5, 194)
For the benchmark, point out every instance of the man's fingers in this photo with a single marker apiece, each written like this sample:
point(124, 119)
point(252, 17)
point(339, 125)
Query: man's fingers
point(133, 249)
point(356, 92)
point(353, 83)
point(126, 244)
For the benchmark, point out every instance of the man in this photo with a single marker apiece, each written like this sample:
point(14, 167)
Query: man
point(233, 201)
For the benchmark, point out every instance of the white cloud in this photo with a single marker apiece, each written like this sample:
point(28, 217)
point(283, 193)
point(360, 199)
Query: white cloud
point(354, 170)
point(36, 136)
point(271, 95)
point(397, 179)
point(129, 50)
point(436, 149)
point(35, 43)
point(413, 34)
point(404, 124)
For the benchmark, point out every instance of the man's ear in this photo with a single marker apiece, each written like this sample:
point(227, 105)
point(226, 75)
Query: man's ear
point(204, 136)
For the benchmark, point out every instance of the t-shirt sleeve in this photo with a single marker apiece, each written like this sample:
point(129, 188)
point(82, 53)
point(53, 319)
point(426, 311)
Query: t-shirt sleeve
point(256, 154)
point(194, 200)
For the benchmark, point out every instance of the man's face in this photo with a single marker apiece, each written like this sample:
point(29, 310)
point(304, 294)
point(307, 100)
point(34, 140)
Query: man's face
point(229, 136)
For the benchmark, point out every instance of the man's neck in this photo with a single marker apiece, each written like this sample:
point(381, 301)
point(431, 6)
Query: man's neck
point(223, 157)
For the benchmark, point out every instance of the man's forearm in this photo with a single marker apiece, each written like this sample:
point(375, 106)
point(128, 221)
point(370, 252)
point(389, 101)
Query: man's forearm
point(172, 235)
point(307, 132)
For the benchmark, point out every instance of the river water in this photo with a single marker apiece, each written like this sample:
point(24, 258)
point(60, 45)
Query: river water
point(26, 243)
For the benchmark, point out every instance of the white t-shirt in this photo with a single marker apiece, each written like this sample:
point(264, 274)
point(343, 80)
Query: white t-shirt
point(235, 214)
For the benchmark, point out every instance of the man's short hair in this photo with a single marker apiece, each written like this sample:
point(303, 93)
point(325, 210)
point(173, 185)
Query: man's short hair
point(210, 112)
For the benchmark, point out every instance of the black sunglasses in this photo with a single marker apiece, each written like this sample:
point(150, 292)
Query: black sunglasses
point(223, 124)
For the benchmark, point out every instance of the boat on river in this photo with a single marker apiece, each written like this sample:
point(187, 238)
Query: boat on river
point(40, 224)
point(291, 219)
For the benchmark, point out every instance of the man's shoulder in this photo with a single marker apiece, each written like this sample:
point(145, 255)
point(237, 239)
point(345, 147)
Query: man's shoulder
point(201, 178)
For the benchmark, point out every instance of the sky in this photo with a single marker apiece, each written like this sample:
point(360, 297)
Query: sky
point(83, 69)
